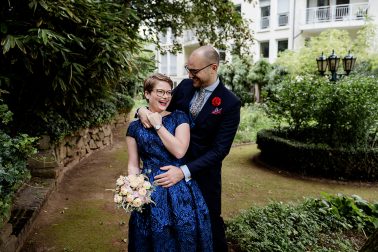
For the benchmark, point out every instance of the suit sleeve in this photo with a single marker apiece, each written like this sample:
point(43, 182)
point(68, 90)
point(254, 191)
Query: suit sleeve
point(173, 104)
point(222, 142)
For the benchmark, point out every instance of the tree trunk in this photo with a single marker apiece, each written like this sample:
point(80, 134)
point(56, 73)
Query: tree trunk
point(371, 244)
point(257, 93)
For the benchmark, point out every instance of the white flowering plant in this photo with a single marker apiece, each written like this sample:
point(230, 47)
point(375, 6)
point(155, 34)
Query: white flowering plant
point(133, 192)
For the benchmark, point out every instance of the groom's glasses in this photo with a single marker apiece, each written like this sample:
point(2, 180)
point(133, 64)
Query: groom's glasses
point(161, 92)
point(195, 71)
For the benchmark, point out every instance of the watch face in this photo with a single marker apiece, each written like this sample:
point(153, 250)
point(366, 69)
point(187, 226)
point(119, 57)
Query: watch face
point(157, 126)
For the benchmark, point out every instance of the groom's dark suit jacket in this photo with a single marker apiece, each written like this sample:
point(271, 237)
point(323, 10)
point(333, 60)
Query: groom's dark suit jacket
point(211, 137)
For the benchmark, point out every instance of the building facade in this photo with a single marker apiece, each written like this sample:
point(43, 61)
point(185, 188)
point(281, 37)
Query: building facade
point(279, 25)
point(287, 24)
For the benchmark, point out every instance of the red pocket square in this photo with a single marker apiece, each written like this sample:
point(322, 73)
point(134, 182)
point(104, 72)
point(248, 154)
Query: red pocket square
point(216, 111)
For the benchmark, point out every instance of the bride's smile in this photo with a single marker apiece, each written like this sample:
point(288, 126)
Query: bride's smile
point(160, 97)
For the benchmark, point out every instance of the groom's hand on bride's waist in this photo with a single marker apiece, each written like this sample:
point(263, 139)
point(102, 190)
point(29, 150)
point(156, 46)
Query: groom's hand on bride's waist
point(169, 178)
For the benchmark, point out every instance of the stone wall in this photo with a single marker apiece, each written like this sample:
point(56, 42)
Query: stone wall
point(54, 158)
point(47, 168)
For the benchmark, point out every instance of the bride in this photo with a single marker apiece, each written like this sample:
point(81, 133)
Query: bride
point(179, 220)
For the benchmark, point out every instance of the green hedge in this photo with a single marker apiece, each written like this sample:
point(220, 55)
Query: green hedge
point(14, 151)
point(324, 224)
point(316, 159)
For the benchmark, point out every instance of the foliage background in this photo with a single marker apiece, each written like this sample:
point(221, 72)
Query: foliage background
point(67, 64)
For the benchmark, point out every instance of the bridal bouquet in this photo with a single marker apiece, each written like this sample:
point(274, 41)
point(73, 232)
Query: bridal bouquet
point(133, 192)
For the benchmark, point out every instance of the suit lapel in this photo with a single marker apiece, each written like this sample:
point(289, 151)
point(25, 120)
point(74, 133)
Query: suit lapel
point(186, 94)
point(208, 106)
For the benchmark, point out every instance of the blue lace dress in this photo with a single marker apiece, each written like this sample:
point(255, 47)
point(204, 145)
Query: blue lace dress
point(179, 220)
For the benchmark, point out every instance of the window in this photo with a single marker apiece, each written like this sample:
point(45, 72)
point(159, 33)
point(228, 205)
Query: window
point(264, 49)
point(164, 63)
point(265, 13)
point(323, 2)
point(283, 12)
point(163, 38)
point(172, 64)
point(265, 17)
point(282, 45)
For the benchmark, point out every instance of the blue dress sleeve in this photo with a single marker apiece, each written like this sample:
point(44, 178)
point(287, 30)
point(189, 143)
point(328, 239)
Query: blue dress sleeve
point(181, 117)
point(131, 130)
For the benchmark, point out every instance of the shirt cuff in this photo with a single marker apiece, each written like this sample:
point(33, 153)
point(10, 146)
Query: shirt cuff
point(186, 172)
point(136, 115)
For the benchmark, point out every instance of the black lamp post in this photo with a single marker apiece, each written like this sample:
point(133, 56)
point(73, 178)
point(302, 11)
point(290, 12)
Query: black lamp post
point(332, 62)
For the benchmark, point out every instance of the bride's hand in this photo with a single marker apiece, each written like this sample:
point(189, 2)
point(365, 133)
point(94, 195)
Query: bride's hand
point(154, 118)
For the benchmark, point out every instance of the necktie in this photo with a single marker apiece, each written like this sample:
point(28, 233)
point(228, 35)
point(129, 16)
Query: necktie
point(198, 103)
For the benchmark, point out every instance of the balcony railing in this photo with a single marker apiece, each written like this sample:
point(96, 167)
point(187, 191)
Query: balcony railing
point(265, 22)
point(283, 19)
point(334, 13)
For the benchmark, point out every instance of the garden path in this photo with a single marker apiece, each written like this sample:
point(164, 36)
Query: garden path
point(80, 214)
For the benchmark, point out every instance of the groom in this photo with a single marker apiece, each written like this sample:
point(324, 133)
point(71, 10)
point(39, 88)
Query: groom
point(215, 114)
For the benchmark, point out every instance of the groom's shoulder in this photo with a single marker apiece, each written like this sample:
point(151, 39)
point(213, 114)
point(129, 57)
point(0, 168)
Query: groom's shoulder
point(185, 83)
point(229, 95)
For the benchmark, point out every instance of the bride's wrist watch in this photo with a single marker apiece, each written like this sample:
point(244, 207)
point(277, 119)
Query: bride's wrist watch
point(157, 127)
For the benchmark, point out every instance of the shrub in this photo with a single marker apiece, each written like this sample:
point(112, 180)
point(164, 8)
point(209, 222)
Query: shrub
point(234, 76)
point(294, 100)
point(348, 112)
point(13, 155)
point(359, 213)
point(252, 119)
point(279, 148)
point(124, 103)
point(288, 227)
point(344, 114)
point(63, 61)
point(323, 224)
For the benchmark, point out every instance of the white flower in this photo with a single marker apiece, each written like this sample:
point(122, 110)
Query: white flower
point(124, 190)
point(146, 185)
point(134, 181)
point(298, 78)
point(117, 198)
point(140, 180)
point(120, 181)
point(129, 198)
point(137, 202)
point(142, 191)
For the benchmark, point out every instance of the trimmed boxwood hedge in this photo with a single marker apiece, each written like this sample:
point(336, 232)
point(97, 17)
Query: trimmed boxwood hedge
point(317, 160)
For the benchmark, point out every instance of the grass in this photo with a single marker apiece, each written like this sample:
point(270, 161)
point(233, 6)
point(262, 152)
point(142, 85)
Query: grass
point(87, 226)
point(246, 183)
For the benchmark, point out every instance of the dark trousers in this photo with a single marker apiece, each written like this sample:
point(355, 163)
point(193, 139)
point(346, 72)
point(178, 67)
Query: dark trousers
point(210, 185)
point(218, 232)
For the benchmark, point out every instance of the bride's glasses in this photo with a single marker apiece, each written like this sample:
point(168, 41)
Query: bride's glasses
point(161, 92)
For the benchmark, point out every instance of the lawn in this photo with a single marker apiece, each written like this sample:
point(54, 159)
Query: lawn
point(246, 183)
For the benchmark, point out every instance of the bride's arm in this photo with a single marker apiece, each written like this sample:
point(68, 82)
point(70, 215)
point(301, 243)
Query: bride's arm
point(132, 150)
point(176, 144)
